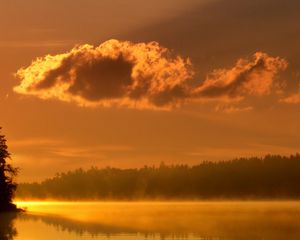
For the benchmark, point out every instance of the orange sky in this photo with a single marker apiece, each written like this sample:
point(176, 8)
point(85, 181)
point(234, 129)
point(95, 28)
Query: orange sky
point(221, 81)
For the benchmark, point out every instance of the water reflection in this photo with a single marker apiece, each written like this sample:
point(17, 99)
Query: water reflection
point(78, 227)
point(242, 221)
point(232, 221)
point(7, 228)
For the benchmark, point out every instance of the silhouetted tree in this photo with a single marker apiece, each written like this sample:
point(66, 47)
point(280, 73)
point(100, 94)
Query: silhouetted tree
point(7, 174)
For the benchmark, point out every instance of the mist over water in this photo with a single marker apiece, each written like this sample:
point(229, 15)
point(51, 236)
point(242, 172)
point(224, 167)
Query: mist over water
point(156, 220)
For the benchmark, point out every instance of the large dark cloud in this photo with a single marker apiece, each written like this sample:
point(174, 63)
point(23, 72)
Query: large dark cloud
point(115, 73)
point(143, 75)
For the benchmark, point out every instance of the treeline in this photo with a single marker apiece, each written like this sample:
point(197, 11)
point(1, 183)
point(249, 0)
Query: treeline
point(271, 177)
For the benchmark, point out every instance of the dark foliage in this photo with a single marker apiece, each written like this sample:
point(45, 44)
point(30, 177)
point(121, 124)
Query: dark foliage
point(271, 177)
point(7, 173)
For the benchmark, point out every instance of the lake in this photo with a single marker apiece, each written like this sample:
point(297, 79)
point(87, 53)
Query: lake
point(153, 220)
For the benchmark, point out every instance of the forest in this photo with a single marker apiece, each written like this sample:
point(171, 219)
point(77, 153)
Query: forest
point(269, 177)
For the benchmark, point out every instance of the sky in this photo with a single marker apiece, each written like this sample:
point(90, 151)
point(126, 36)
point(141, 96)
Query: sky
point(128, 83)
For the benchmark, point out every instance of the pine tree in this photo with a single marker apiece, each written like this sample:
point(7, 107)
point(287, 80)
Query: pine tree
point(7, 174)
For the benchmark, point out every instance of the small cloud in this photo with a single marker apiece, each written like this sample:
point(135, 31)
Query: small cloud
point(292, 99)
point(255, 76)
point(90, 152)
point(36, 142)
point(35, 44)
point(232, 109)
point(217, 153)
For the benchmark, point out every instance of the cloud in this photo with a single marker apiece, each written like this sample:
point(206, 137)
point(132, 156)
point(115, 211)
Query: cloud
point(232, 109)
point(35, 44)
point(255, 76)
point(291, 99)
point(34, 142)
point(218, 153)
point(143, 75)
point(94, 152)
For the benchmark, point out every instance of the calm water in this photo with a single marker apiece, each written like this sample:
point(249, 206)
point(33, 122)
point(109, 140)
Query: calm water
point(153, 220)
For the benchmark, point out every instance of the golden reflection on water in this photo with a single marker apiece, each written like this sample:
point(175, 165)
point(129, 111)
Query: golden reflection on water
point(233, 220)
